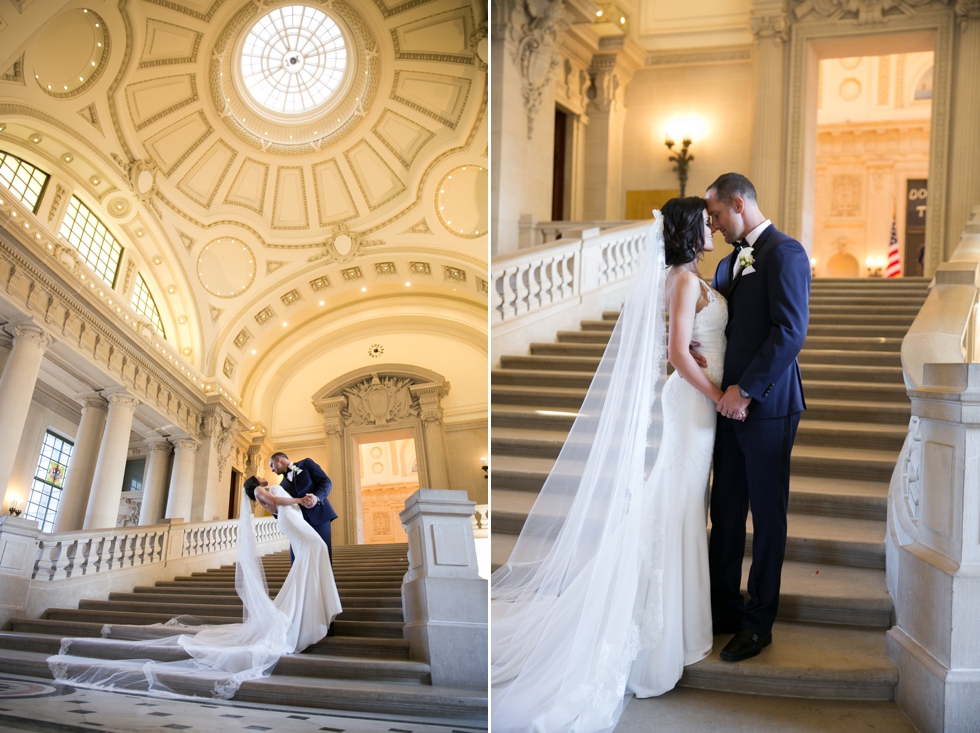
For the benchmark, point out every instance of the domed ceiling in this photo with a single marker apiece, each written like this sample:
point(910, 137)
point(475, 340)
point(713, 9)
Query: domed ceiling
point(263, 164)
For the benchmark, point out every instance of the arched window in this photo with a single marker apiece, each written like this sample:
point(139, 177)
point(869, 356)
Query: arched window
point(22, 179)
point(145, 305)
point(83, 230)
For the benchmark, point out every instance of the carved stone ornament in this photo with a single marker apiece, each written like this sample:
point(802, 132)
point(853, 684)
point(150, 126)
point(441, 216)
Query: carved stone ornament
point(142, 179)
point(379, 402)
point(775, 27)
point(536, 25)
point(967, 10)
point(866, 11)
point(343, 246)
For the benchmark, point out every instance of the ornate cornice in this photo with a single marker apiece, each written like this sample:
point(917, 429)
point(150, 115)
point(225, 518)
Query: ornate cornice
point(34, 291)
point(698, 57)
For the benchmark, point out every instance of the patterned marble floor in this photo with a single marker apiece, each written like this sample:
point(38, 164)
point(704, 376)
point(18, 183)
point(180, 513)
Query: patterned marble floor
point(28, 704)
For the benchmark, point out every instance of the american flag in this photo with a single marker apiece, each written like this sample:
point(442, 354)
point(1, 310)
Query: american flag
point(894, 264)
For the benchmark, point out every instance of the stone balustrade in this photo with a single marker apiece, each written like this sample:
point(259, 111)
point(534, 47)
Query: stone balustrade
point(539, 290)
point(534, 233)
point(932, 548)
point(39, 570)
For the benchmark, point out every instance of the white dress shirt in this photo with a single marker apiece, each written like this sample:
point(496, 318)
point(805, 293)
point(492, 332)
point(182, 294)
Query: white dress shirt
point(751, 238)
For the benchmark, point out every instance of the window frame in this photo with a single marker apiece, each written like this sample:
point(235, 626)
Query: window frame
point(44, 184)
point(91, 217)
point(153, 302)
point(56, 452)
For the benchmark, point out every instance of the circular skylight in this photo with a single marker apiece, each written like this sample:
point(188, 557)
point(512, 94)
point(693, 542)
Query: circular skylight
point(293, 60)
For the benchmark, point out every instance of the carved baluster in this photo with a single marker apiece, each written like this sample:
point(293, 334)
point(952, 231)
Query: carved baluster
point(71, 553)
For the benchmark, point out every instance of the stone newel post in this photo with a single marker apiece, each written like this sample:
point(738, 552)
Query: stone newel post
point(935, 641)
point(443, 597)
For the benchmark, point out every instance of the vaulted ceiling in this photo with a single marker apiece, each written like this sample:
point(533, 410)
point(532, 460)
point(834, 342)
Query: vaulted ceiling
point(254, 230)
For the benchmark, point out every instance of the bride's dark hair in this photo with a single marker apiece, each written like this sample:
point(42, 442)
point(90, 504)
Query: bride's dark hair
point(683, 229)
point(249, 487)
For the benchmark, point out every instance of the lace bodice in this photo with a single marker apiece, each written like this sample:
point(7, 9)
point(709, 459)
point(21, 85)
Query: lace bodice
point(709, 330)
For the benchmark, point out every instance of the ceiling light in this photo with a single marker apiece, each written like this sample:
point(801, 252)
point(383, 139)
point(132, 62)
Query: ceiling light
point(598, 13)
point(284, 324)
point(363, 290)
point(321, 302)
point(407, 285)
point(253, 352)
point(95, 180)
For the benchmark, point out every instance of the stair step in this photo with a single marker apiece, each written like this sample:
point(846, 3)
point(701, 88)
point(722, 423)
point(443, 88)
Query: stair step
point(831, 594)
point(891, 375)
point(232, 610)
point(856, 357)
point(332, 694)
point(530, 377)
point(832, 540)
point(522, 416)
point(544, 443)
point(557, 363)
point(863, 319)
point(381, 629)
point(853, 343)
point(888, 413)
point(805, 660)
point(857, 330)
point(851, 434)
point(528, 473)
point(340, 645)
point(303, 665)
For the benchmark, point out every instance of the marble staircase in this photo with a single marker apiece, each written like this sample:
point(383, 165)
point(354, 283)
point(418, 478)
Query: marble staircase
point(365, 666)
point(829, 639)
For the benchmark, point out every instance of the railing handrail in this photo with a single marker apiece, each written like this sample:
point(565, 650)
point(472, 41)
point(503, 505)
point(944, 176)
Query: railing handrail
point(557, 246)
point(944, 331)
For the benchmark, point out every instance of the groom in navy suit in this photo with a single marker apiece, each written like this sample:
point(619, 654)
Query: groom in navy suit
point(306, 480)
point(766, 280)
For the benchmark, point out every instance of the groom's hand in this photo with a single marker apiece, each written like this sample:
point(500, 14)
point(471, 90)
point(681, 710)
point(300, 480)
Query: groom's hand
point(309, 501)
point(699, 360)
point(733, 405)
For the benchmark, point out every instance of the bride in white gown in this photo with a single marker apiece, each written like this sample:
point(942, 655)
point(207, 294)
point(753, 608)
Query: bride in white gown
point(216, 659)
point(607, 589)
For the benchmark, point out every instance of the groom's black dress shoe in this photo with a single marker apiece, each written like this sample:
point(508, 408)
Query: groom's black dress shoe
point(723, 626)
point(744, 645)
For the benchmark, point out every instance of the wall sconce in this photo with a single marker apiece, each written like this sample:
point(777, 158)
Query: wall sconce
point(682, 159)
point(813, 267)
point(875, 266)
point(486, 469)
point(16, 507)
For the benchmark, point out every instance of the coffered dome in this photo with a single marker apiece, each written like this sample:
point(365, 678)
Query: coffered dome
point(267, 169)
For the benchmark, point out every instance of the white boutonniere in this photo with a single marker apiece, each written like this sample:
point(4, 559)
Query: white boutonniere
point(294, 471)
point(745, 258)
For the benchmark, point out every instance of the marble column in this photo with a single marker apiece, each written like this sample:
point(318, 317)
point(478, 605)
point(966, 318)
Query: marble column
point(181, 494)
point(771, 30)
point(16, 392)
point(81, 468)
point(430, 396)
point(155, 481)
point(612, 69)
point(103, 500)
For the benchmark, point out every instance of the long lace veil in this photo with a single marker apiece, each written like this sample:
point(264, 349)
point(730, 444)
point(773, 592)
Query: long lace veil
point(580, 594)
point(201, 659)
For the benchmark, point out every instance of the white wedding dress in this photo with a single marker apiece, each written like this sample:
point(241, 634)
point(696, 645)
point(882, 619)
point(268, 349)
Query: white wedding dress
point(682, 466)
point(606, 592)
point(223, 656)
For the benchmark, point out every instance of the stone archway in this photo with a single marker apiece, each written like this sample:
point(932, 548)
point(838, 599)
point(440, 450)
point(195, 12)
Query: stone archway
point(369, 402)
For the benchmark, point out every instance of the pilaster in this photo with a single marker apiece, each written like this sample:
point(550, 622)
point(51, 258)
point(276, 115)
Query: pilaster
point(770, 28)
point(611, 71)
point(430, 403)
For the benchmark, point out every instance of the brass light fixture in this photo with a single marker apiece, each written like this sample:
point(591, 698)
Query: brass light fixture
point(682, 159)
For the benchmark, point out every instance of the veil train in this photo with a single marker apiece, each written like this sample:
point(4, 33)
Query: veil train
point(579, 597)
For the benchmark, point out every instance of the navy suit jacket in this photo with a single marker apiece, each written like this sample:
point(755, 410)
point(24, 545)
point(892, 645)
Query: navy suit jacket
point(768, 316)
point(312, 480)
